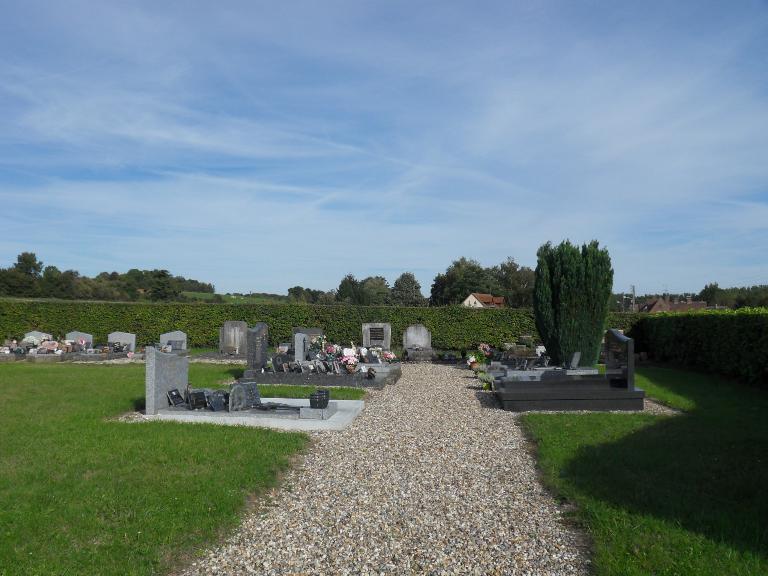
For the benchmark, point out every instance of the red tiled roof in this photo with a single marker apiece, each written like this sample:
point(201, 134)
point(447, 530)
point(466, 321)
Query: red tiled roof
point(489, 300)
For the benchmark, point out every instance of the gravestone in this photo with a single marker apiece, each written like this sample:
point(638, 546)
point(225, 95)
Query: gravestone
point(417, 341)
point(244, 396)
point(377, 334)
point(76, 336)
point(36, 336)
point(176, 339)
point(300, 346)
point(233, 337)
point(124, 338)
point(256, 347)
point(164, 372)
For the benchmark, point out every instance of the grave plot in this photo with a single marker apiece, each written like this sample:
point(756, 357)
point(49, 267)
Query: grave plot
point(170, 397)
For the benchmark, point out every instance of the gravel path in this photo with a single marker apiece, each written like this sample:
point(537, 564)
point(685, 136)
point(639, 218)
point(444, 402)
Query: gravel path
point(428, 479)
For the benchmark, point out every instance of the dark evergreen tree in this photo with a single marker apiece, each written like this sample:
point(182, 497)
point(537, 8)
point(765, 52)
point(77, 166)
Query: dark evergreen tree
point(571, 298)
point(406, 291)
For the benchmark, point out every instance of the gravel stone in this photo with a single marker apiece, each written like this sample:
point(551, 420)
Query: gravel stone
point(431, 478)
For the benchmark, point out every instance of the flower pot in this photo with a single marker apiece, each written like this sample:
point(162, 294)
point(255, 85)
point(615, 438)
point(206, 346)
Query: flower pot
point(473, 365)
point(351, 368)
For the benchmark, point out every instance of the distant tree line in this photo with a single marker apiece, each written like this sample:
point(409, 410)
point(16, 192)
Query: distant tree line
point(29, 278)
point(371, 291)
point(752, 296)
point(462, 278)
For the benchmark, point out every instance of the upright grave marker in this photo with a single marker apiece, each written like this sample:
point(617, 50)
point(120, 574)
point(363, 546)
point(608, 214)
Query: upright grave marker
point(164, 373)
point(233, 338)
point(377, 334)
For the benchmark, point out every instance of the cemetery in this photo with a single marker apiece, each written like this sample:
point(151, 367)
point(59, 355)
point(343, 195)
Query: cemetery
point(386, 431)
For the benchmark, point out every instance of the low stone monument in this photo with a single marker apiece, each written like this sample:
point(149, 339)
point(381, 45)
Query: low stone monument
point(378, 334)
point(164, 373)
point(35, 337)
point(76, 337)
point(233, 337)
point(177, 340)
point(124, 339)
point(257, 342)
point(417, 342)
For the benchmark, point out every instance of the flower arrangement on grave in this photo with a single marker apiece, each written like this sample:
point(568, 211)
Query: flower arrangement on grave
point(349, 360)
point(484, 349)
point(388, 356)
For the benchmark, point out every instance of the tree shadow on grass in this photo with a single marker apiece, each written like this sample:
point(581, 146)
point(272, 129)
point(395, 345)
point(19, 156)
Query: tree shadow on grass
point(236, 372)
point(706, 470)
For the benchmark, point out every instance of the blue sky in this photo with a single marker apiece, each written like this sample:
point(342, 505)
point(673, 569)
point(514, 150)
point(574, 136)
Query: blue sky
point(262, 145)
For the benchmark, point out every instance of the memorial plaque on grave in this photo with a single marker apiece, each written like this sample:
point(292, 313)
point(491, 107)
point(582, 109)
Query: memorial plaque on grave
point(244, 396)
point(175, 398)
point(377, 334)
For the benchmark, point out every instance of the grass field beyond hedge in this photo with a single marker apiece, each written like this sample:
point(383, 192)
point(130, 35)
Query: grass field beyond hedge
point(679, 495)
point(84, 494)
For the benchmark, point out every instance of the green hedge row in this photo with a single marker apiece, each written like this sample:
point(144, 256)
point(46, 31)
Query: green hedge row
point(452, 327)
point(733, 343)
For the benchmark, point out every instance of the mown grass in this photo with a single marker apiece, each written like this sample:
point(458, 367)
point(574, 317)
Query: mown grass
point(667, 495)
point(82, 493)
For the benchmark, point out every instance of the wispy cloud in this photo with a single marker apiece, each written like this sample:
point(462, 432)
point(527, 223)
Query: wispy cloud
point(262, 146)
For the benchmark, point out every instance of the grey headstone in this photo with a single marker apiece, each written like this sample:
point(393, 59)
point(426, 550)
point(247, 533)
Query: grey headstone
point(257, 343)
point(300, 346)
point(575, 359)
point(417, 336)
point(244, 396)
point(38, 335)
point(124, 338)
point(233, 338)
point(164, 372)
point(377, 334)
point(177, 339)
point(76, 336)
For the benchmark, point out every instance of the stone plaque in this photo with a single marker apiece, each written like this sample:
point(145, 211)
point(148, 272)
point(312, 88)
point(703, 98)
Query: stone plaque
point(233, 338)
point(257, 344)
point(244, 396)
point(377, 334)
point(164, 372)
point(177, 336)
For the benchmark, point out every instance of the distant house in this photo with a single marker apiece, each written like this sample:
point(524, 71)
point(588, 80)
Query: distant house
point(477, 300)
point(664, 305)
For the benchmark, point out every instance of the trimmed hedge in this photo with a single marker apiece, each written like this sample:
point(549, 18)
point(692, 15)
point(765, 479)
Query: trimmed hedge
point(452, 327)
point(728, 342)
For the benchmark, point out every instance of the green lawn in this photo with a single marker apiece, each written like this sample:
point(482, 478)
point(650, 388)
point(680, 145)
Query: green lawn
point(676, 495)
point(84, 494)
